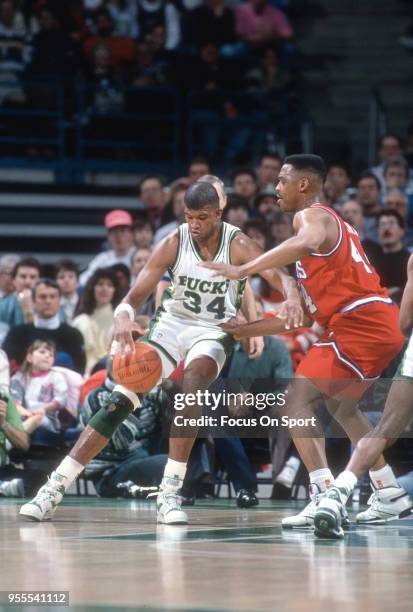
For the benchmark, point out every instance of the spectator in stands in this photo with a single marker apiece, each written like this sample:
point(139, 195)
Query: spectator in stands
point(7, 263)
point(107, 95)
point(244, 183)
point(352, 213)
point(139, 259)
point(150, 68)
point(257, 230)
point(236, 211)
point(55, 53)
point(127, 454)
point(337, 184)
point(11, 432)
point(46, 326)
point(198, 166)
point(153, 198)
point(265, 204)
point(270, 372)
point(123, 15)
point(281, 228)
point(174, 210)
point(17, 307)
point(392, 267)
point(270, 78)
point(368, 195)
point(38, 390)
point(67, 278)
point(259, 23)
point(123, 276)
point(153, 13)
point(15, 52)
point(143, 234)
point(120, 236)
point(94, 314)
point(395, 199)
point(122, 50)
point(396, 173)
point(268, 169)
point(389, 146)
point(211, 22)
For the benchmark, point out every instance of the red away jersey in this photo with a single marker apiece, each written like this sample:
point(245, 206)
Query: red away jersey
point(341, 280)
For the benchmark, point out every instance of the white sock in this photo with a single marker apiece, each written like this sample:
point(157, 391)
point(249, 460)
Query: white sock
point(175, 469)
point(322, 478)
point(383, 478)
point(69, 470)
point(346, 481)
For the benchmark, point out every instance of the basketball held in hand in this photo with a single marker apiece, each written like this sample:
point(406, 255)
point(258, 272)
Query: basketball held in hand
point(138, 371)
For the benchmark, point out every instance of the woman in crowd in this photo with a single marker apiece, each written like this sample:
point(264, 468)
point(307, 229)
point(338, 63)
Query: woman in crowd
point(94, 315)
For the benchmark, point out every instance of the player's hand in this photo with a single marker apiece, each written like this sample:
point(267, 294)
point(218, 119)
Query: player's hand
point(3, 413)
point(221, 269)
point(232, 327)
point(255, 347)
point(122, 341)
point(292, 313)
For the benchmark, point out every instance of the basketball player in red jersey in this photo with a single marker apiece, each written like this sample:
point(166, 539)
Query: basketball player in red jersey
point(342, 292)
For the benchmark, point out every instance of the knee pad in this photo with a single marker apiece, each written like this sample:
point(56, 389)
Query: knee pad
point(110, 416)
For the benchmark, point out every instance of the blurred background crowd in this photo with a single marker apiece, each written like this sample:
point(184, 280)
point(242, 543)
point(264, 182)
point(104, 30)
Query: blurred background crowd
point(109, 110)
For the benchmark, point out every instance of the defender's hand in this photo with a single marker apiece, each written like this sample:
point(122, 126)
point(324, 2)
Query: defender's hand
point(221, 269)
point(232, 327)
point(292, 313)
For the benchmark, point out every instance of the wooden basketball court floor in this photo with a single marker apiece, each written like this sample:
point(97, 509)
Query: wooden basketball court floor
point(111, 555)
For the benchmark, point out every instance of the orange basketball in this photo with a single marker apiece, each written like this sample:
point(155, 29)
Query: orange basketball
point(138, 371)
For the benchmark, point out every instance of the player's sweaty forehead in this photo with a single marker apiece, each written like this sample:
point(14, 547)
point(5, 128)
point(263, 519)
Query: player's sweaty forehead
point(202, 213)
point(287, 172)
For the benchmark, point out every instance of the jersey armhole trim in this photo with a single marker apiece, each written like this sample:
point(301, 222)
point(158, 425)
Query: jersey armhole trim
point(340, 233)
point(231, 238)
point(172, 269)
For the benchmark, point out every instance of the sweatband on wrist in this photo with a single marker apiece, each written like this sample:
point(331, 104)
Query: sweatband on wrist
point(124, 307)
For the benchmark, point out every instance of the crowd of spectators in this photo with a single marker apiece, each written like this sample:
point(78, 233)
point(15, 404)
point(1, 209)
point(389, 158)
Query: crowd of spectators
point(55, 331)
point(116, 48)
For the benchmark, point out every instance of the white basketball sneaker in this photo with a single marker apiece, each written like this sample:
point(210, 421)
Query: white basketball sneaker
point(331, 511)
point(169, 502)
point(384, 505)
point(44, 505)
point(305, 519)
point(12, 488)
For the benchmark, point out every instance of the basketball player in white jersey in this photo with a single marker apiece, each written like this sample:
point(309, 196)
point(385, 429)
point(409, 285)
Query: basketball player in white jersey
point(186, 327)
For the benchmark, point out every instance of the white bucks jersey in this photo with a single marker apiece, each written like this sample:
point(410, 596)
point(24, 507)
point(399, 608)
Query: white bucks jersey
point(195, 293)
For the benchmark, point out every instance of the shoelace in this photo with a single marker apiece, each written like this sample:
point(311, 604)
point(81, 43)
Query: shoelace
point(176, 499)
point(47, 494)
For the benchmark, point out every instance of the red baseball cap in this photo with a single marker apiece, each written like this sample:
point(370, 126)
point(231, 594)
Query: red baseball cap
point(116, 218)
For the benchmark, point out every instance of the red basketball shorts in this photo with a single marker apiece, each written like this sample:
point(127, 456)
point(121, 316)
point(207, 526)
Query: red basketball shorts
point(354, 351)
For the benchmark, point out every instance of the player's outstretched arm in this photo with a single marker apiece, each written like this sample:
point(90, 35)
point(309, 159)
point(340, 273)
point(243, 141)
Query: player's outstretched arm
point(406, 306)
point(311, 227)
point(243, 249)
point(162, 257)
point(263, 327)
